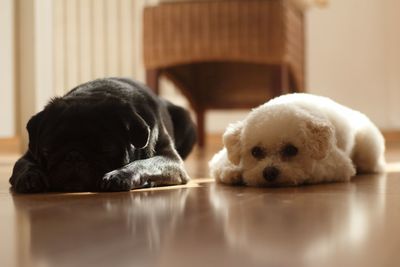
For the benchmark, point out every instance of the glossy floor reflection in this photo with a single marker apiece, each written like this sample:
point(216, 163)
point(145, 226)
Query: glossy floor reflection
point(204, 224)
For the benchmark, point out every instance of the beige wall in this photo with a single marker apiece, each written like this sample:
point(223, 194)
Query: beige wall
point(392, 39)
point(354, 57)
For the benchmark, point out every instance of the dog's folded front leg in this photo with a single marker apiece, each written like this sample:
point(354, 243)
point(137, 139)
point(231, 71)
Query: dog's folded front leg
point(156, 171)
point(161, 170)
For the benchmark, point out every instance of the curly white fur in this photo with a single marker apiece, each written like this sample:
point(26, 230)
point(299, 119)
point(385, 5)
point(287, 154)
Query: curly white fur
point(333, 142)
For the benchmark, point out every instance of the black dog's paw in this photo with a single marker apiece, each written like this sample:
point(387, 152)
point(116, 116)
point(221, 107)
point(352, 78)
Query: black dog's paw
point(174, 176)
point(116, 181)
point(184, 177)
point(32, 181)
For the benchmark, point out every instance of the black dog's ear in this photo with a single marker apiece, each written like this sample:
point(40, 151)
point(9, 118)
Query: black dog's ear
point(33, 126)
point(139, 131)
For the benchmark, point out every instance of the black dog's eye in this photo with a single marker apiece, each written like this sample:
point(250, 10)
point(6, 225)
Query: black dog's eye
point(258, 152)
point(289, 150)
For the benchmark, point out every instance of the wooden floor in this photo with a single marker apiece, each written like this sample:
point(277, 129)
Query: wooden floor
point(204, 224)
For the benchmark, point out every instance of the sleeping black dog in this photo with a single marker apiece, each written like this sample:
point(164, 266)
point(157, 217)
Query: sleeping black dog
point(105, 135)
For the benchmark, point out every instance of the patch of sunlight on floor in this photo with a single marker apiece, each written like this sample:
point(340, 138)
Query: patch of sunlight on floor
point(393, 166)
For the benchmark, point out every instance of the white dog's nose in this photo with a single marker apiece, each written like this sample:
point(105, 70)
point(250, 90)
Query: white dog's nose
point(271, 173)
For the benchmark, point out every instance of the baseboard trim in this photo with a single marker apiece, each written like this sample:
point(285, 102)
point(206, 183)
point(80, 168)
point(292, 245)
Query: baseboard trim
point(10, 145)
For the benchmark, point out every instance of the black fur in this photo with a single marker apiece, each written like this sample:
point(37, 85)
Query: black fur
point(105, 135)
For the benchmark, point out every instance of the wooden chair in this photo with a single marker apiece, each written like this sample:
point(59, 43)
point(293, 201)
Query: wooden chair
point(225, 54)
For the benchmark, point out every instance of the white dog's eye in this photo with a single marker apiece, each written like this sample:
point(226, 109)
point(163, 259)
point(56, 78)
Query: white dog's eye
point(258, 152)
point(289, 150)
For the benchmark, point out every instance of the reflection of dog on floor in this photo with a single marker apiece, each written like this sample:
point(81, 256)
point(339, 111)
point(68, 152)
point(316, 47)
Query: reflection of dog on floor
point(319, 227)
point(139, 223)
point(298, 139)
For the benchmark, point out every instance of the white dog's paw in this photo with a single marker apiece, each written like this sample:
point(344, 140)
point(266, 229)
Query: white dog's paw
point(347, 168)
point(348, 173)
point(223, 171)
point(344, 168)
point(232, 177)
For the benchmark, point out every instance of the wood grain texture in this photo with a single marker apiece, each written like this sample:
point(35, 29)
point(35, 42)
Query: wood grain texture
point(206, 224)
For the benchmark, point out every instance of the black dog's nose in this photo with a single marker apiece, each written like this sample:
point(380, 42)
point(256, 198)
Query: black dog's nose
point(271, 173)
point(74, 156)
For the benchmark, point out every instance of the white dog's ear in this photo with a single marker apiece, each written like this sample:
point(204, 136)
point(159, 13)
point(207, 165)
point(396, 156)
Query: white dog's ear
point(231, 141)
point(319, 138)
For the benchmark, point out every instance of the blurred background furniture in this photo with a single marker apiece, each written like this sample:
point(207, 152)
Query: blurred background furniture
point(225, 54)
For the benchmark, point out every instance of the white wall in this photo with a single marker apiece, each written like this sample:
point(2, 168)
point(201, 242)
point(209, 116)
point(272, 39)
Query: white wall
point(7, 103)
point(353, 56)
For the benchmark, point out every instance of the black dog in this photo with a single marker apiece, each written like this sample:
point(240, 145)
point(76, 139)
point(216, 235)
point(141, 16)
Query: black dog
point(105, 135)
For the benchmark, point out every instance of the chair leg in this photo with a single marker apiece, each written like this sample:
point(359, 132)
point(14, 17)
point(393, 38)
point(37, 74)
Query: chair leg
point(152, 77)
point(281, 80)
point(201, 135)
point(284, 79)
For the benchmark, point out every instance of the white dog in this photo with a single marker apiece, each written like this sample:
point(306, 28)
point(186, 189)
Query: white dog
point(298, 139)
